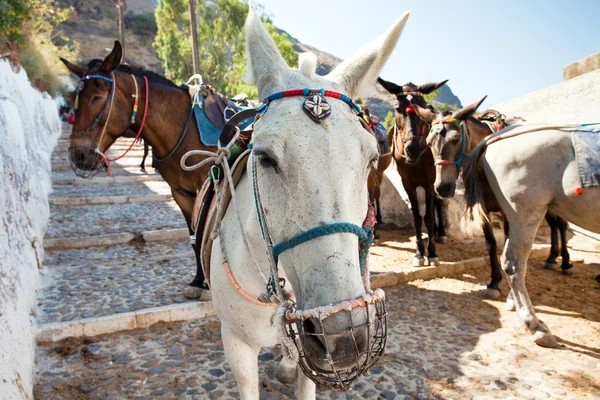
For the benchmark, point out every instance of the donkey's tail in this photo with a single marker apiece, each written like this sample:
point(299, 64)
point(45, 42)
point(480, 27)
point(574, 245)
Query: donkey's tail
point(475, 214)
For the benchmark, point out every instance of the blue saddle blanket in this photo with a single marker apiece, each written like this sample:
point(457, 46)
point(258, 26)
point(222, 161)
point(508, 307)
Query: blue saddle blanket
point(586, 142)
point(209, 133)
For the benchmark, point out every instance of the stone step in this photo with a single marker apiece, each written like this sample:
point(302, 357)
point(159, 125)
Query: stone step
point(113, 189)
point(119, 177)
point(117, 172)
point(86, 201)
point(126, 163)
point(70, 223)
point(101, 281)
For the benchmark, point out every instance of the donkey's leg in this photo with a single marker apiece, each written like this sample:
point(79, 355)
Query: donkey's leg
point(286, 370)
point(514, 263)
point(566, 266)
point(143, 164)
point(432, 257)
point(243, 360)
point(306, 387)
point(492, 291)
point(440, 211)
point(551, 260)
point(418, 260)
point(198, 288)
point(378, 206)
point(510, 303)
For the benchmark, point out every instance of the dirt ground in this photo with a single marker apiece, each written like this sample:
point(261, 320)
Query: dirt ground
point(445, 342)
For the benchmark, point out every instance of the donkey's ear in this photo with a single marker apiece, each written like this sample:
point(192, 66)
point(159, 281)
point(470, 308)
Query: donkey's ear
point(265, 66)
point(430, 87)
point(360, 70)
point(466, 112)
point(390, 86)
point(113, 60)
point(425, 114)
point(74, 68)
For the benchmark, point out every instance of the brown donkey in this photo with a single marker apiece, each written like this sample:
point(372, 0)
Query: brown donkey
point(106, 112)
point(450, 139)
point(414, 161)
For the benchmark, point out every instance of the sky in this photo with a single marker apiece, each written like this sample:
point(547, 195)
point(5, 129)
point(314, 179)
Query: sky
point(503, 49)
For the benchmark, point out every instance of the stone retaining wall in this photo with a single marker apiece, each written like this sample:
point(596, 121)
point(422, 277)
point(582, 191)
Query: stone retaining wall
point(29, 128)
point(573, 101)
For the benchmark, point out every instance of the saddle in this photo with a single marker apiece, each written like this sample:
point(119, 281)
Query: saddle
point(212, 110)
point(204, 214)
point(494, 120)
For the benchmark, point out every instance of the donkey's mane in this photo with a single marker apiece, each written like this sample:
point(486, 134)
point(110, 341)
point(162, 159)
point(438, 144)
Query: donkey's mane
point(138, 71)
point(152, 76)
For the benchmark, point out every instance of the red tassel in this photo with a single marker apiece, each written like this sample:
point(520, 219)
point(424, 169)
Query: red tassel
point(579, 191)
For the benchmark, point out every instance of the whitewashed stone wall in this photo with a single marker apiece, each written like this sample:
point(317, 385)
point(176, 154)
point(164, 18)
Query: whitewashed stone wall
point(573, 101)
point(29, 128)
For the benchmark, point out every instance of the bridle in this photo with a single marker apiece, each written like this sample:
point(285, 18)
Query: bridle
point(108, 103)
point(317, 108)
point(465, 133)
point(410, 112)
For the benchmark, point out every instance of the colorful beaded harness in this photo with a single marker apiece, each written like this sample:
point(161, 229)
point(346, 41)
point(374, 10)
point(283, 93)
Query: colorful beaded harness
point(315, 105)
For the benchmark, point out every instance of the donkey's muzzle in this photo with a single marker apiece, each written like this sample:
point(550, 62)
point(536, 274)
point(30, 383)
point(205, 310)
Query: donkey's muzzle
point(85, 161)
point(445, 189)
point(337, 344)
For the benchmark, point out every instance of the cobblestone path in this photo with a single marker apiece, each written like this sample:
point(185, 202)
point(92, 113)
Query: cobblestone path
point(97, 281)
point(444, 342)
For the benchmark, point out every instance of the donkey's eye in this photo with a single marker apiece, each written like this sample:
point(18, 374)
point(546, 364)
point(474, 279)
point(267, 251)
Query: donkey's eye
point(267, 161)
point(95, 99)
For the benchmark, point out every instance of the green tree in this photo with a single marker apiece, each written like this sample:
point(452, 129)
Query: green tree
point(220, 40)
point(389, 121)
point(429, 97)
point(28, 37)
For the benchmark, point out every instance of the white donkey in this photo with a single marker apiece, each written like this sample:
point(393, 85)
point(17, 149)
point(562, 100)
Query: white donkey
point(533, 170)
point(307, 178)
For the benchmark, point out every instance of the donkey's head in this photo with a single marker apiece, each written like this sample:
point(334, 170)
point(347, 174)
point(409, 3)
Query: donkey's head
point(411, 129)
point(449, 139)
point(96, 99)
point(310, 178)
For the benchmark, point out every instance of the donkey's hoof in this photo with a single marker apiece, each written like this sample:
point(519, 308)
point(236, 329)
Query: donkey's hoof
point(544, 339)
point(418, 262)
point(285, 374)
point(492, 294)
point(568, 271)
point(435, 261)
point(441, 239)
point(549, 265)
point(510, 305)
point(193, 292)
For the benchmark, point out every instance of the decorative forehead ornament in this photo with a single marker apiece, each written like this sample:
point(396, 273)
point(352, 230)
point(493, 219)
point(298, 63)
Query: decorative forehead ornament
point(315, 105)
point(81, 85)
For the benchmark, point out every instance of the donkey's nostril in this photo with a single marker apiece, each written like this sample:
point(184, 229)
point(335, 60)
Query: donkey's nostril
point(310, 329)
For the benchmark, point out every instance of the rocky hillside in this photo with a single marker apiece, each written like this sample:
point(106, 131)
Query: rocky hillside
point(94, 25)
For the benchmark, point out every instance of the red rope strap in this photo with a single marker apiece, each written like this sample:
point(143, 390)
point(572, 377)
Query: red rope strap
point(109, 160)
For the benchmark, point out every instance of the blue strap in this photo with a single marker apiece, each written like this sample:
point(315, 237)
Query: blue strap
point(458, 161)
point(323, 230)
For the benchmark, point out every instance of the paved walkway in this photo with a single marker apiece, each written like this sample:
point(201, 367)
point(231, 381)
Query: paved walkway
point(445, 342)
